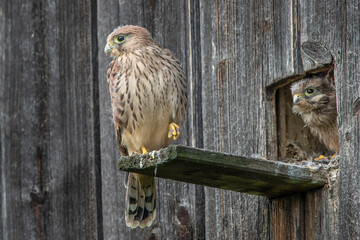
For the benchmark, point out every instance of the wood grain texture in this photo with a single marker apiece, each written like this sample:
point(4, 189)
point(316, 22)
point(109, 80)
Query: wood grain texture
point(226, 171)
point(253, 44)
point(21, 136)
point(48, 121)
point(55, 116)
point(348, 91)
point(227, 57)
point(322, 23)
point(315, 56)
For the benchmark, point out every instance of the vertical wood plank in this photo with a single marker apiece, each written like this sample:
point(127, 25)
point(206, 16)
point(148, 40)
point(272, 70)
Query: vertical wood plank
point(318, 22)
point(48, 121)
point(20, 124)
point(194, 120)
point(111, 179)
point(73, 107)
point(281, 26)
point(176, 200)
point(289, 218)
point(232, 64)
point(348, 99)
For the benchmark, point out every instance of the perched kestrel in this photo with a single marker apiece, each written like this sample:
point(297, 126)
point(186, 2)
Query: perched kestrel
point(148, 94)
point(314, 100)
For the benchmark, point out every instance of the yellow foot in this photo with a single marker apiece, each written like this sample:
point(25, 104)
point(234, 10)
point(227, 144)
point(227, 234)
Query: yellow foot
point(321, 157)
point(333, 156)
point(143, 150)
point(174, 131)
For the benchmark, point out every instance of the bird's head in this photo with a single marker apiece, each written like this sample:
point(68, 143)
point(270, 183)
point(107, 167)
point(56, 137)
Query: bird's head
point(127, 39)
point(311, 94)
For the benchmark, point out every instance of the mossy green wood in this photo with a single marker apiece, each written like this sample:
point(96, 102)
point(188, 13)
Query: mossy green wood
point(220, 170)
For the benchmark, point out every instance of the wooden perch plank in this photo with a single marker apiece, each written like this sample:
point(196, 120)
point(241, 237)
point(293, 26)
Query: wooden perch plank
point(220, 170)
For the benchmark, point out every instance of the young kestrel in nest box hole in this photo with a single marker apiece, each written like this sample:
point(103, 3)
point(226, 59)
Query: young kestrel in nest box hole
point(314, 100)
point(148, 94)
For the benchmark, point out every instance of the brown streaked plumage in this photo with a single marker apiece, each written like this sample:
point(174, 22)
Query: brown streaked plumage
point(314, 100)
point(148, 95)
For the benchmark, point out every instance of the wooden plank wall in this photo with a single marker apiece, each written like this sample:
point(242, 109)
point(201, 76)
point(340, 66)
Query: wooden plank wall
point(49, 120)
point(59, 177)
point(348, 100)
point(313, 215)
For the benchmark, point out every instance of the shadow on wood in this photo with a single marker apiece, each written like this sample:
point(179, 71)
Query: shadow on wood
point(220, 170)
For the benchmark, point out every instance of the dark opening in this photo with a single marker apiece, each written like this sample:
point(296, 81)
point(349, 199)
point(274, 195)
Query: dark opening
point(294, 138)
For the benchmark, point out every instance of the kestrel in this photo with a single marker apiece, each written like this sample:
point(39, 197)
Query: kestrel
point(314, 100)
point(148, 94)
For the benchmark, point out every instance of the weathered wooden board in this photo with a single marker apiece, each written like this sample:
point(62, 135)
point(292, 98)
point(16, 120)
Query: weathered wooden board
point(48, 120)
point(313, 215)
point(57, 148)
point(226, 171)
point(234, 50)
point(108, 15)
point(251, 48)
point(348, 99)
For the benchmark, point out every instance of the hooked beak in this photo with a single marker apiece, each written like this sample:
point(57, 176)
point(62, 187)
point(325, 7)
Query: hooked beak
point(108, 48)
point(298, 98)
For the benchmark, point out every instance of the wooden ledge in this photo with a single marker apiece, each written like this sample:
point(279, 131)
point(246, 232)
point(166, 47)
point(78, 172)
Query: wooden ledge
point(220, 170)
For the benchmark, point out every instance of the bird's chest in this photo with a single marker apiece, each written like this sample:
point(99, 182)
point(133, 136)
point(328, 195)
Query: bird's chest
point(139, 92)
point(316, 120)
point(131, 76)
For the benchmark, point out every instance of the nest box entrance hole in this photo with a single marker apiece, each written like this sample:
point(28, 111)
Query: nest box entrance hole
point(294, 139)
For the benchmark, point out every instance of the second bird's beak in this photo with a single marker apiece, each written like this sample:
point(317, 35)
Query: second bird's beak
point(108, 48)
point(298, 98)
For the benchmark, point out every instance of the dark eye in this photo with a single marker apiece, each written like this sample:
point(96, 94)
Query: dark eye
point(309, 91)
point(119, 39)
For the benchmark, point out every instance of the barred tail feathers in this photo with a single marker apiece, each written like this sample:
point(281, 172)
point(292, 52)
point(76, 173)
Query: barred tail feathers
point(140, 201)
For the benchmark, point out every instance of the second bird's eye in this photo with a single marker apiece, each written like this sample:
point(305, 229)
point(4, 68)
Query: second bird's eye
point(119, 39)
point(309, 91)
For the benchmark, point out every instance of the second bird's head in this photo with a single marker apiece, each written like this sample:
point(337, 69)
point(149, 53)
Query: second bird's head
point(311, 94)
point(127, 39)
